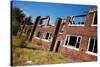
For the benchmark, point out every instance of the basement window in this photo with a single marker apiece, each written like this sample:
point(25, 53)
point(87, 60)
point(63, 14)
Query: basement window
point(78, 20)
point(94, 21)
point(72, 41)
point(92, 46)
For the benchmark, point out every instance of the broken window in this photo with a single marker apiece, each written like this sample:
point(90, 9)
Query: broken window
point(73, 41)
point(92, 45)
point(78, 20)
point(38, 34)
point(47, 35)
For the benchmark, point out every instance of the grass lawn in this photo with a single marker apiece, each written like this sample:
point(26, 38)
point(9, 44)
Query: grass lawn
point(24, 56)
point(27, 56)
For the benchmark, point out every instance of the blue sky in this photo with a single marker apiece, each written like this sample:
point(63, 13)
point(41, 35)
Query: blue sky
point(53, 10)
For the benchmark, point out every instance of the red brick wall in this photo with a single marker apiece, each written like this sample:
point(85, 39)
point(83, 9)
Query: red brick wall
point(84, 31)
point(77, 55)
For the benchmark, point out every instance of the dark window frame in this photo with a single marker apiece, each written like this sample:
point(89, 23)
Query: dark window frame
point(91, 45)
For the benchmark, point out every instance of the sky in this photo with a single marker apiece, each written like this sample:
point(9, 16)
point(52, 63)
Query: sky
point(53, 10)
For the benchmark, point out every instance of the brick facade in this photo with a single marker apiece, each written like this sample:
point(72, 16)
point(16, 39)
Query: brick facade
point(50, 35)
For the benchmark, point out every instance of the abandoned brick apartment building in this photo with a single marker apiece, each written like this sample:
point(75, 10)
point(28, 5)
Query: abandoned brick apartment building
point(74, 37)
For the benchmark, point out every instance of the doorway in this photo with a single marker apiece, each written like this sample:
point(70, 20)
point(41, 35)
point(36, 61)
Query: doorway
point(56, 47)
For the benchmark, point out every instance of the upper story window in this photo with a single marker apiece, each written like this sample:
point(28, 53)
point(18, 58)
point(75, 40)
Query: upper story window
point(78, 20)
point(92, 46)
point(73, 41)
point(94, 22)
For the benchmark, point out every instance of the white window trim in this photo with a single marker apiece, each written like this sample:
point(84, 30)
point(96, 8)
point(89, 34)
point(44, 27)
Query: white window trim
point(68, 46)
point(60, 33)
point(56, 44)
point(78, 24)
point(44, 35)
point(36, 37)
point(93, 20)
point(89, 52)
point(94, 25)
point(45, 40)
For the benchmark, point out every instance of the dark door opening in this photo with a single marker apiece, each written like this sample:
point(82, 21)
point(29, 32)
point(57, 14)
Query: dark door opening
point(57, 46)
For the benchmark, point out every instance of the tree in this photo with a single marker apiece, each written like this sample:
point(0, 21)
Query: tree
point(17, 15)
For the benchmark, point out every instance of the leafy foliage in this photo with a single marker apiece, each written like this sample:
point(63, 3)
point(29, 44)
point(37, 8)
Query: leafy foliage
point(17, 16)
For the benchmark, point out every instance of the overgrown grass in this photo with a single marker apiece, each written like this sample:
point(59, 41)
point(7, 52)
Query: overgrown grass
point(21, 41)
point(23, 55)
point(34, 44)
